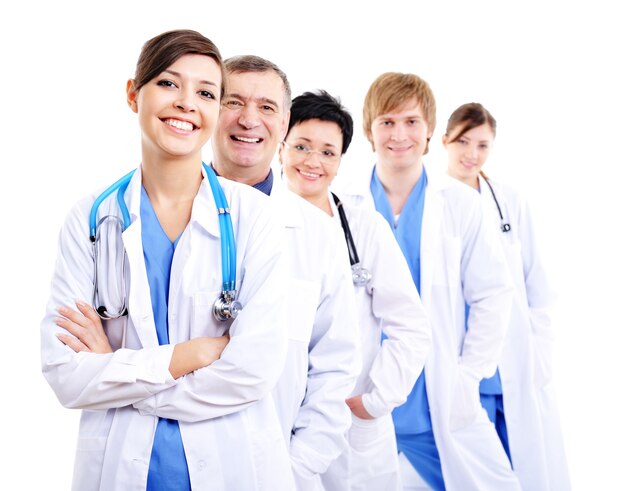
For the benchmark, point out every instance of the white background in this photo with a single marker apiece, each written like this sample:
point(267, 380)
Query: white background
point(552, 73)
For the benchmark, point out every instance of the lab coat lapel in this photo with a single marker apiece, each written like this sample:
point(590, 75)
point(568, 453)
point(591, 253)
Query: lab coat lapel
point(139, 302)
point(429, 243)
point(203, 219)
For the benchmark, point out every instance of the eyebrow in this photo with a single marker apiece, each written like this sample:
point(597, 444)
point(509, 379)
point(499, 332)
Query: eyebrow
point(258, 99)
point(176, 74)
point(390, 116)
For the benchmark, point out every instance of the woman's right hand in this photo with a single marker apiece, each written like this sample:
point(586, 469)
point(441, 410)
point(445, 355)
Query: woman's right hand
point(195, 354)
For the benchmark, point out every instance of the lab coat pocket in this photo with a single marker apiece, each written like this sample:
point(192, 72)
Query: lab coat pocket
point(88, 462)
point(271, 460)
point(203, 321)
point(95, 427)
point(465, 400)
point(364, 434)
point(302, 302)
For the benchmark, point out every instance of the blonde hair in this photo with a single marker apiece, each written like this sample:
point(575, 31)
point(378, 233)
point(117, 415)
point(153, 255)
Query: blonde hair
point(392, 89)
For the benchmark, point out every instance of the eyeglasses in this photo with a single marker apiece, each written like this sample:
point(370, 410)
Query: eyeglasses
point(325, 156)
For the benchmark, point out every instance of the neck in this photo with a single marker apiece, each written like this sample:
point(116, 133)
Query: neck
point(398, 183)
point(172, 180)
point(246, 175)
point(470, 181)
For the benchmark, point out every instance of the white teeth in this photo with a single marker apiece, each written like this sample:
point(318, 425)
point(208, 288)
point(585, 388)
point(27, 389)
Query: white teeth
point(181, 125)
point(247, 140)
point(309, 174)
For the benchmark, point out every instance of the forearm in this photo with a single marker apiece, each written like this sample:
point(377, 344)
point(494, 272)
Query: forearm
point(194, 354)
point(230, 384)
point(104, 381)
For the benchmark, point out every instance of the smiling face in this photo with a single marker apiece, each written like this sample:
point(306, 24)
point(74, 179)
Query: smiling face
point(400, 137)
point(178, 109)
point(311, 159)
point(252, 122)
point(468, 153)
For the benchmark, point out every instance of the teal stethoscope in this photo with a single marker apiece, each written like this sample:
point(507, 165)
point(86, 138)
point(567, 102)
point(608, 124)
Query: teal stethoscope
point(110, 300)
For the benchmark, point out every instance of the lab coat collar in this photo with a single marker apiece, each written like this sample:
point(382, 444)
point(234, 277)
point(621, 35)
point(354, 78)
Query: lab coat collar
point(360, 184)
point(204, 211)
point(133, 196)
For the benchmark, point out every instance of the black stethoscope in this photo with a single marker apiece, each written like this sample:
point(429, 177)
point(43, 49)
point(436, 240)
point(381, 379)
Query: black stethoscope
point(360, 275)
point(505, 227)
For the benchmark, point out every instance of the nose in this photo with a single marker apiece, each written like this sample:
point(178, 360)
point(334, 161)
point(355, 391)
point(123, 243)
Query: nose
point(313, 159)
point(185, 101)
point(248, 117)
point(398, 133)
point(471, 151)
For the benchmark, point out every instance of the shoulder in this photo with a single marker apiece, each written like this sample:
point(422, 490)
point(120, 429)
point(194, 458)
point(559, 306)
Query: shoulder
point(360, 216)
point(457, 197)
point(237, 191)
point(507, 195)
point(246, 203)
point(310, 214)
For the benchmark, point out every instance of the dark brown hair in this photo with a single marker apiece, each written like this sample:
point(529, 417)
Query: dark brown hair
point(467, 117)
point(163, 50)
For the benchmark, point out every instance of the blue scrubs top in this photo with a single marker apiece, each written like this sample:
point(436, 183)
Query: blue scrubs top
point(168, 465)
point(265, 186)
point(412, 417)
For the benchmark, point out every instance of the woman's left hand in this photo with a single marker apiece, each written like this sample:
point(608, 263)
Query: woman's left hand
point(358, 409)
point(86, 329)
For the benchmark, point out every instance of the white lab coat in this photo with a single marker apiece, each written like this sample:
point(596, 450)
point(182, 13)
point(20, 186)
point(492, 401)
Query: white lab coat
point(525, 367)
point(322, 359)
point(389, 303)
point(227, 418)
point(461, 261)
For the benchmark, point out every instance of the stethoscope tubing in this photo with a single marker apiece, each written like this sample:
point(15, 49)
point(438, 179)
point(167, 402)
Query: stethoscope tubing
point(360, 275)
point(120, 185)
point(228, 247)
point(227, 242)
point(505, 227)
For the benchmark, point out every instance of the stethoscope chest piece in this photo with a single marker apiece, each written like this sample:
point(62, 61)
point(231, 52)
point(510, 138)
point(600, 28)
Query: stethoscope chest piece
point(505, 227)
point(360, 275)
point(226, 307)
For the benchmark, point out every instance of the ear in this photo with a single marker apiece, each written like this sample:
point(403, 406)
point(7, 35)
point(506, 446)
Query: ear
point(280, 153)
point(131, 95)
point(285, 125)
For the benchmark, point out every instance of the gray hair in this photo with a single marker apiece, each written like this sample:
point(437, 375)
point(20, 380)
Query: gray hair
point(252, 63)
